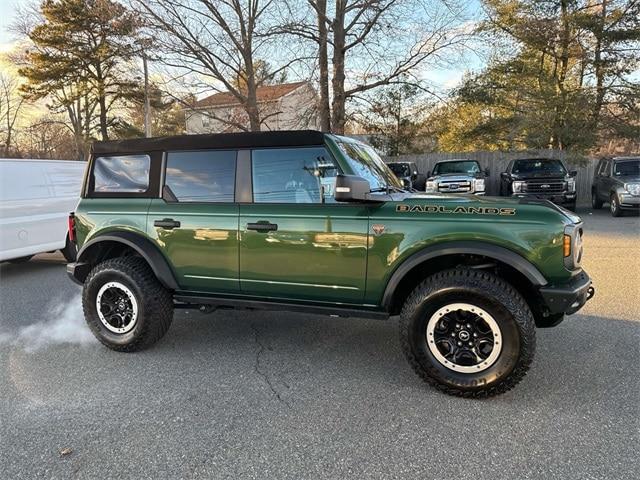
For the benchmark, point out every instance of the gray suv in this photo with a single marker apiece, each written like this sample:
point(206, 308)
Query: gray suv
point(617, 181)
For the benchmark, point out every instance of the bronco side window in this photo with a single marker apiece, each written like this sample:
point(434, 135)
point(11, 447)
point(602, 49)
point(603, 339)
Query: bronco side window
point(121, 174)
point(202, 176)
point(293, 175)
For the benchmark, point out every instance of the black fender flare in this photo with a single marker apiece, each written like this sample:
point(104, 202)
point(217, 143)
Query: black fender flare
point(511, 258)
point(144, 247)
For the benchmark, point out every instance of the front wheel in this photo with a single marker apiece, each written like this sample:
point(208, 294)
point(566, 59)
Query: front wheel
point(125, 305)
point(468, 333)
point(614, 205)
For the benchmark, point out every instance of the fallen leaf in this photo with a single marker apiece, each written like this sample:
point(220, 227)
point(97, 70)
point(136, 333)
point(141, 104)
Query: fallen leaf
point(65, 451)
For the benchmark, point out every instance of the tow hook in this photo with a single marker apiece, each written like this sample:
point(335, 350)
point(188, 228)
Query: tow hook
point(591, 292)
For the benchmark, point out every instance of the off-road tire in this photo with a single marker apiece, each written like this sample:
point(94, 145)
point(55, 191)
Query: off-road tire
point(596, 203)
point(155, 303)
point(70, 251)
point(614, 205)
point(498, 298)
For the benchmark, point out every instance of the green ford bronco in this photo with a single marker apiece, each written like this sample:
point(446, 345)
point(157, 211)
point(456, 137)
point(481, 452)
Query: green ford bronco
point(313, 222)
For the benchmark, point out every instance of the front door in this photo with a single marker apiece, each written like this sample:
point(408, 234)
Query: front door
point(195, 224)
point(296, 243)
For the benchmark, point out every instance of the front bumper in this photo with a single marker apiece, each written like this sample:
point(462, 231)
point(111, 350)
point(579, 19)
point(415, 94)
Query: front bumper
point(568, 298)
point(557, 198)
point(628, 201)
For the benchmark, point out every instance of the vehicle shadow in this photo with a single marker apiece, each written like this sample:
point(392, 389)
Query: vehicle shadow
point(39, 263)
point(587, 357)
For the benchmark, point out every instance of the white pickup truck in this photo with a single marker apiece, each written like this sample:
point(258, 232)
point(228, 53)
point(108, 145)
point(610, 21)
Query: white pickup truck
point(36, 197)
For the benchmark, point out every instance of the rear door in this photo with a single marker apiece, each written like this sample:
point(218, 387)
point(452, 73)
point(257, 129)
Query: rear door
point(195, 223)
point(296, 243)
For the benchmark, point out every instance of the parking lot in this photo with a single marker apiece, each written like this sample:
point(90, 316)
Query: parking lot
point(284, 395)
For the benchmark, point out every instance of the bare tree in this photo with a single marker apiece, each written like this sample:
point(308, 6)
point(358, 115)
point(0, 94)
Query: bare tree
point(219, 44)
point(372, 43)
point(11, 106)
point(48, 137)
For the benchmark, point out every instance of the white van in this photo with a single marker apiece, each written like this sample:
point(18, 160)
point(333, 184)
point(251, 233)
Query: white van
point(36, 197)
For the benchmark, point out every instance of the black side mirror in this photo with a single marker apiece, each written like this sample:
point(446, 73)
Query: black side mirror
point(573, 173)
point(428, 173)
point(504, 175)
point(351, 188)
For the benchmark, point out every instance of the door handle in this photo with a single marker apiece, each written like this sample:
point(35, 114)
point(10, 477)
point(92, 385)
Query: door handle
point(167, 223)
point(262, 226)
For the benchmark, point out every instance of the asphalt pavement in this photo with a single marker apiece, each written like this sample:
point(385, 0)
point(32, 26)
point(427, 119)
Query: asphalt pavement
point(284, 395)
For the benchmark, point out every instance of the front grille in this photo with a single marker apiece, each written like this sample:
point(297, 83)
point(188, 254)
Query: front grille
point(540, 186)
point(451, 186)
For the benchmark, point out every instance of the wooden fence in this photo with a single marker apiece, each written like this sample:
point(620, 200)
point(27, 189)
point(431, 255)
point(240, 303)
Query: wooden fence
point(497, 162)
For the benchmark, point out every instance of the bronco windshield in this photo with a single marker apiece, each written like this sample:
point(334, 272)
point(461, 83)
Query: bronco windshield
point(627, 167)
point(539, 166)
point(366, 163)
point(463, 166)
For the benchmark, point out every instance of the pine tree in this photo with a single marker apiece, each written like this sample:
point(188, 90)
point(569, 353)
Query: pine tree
point(79, 61)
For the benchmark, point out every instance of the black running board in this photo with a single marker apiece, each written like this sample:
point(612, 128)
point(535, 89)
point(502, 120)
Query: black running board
point(196, 301)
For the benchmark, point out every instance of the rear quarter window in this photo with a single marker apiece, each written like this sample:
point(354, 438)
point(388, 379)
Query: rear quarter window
point(121, 174)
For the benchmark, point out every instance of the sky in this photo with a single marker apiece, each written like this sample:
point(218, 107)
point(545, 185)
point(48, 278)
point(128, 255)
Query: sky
point(443, 79)
point(7, 12)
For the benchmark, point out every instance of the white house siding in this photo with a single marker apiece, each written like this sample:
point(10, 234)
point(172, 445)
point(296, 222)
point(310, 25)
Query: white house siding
point(296, 110)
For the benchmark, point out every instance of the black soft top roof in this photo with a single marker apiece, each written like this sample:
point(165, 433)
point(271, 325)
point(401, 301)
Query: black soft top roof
point(285, 138)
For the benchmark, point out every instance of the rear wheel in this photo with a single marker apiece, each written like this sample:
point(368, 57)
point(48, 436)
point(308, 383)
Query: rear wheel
point(468, 333)
point(596, 203)
point(125, 306)
point(614, 205)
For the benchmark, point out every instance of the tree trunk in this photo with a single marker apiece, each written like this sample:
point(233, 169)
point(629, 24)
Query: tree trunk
point(7, 143)
point(338, 117)
point(102, 103)
point(599, 67)
point(561, 76)
point(251, 106)
point(324, 111)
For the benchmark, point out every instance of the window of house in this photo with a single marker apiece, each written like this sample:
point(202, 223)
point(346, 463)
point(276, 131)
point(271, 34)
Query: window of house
point(121, 174)
point(202, 176)
point(293, 175)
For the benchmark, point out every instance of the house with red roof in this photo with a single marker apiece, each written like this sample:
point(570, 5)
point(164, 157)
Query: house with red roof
point(286, 106)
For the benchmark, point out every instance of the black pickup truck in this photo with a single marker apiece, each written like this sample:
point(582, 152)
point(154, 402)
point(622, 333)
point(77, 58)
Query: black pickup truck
point(546, 178)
